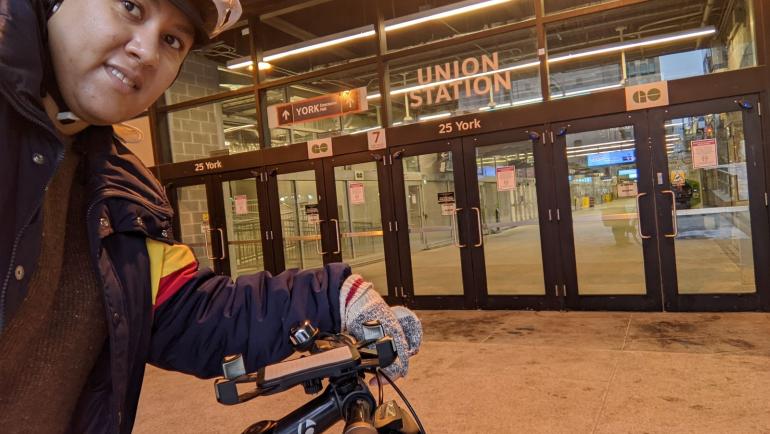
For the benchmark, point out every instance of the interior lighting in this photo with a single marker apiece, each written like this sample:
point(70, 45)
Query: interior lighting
point(587, 91)
point(645, 42)
point(436, 116)
point(357, 34)
point(240, 127)
point(597, 145)
point(246, 62)
point(440, 13)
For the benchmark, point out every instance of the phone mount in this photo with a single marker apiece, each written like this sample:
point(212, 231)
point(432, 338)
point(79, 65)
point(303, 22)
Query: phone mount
point(336, 357)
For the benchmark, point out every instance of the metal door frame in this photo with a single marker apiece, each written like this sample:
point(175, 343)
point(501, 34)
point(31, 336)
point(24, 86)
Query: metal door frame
point(651, 300)
point(757, 175)
point(548, 231)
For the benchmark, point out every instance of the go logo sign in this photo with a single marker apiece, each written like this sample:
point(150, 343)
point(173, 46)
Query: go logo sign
point(642, 97)
point(319, 148)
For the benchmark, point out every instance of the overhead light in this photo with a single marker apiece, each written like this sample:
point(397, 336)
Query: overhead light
point(436, 116)
point(439, 13)
point(240, 127)
point(245, 62)
point(323, 43)
point(514, 104)
point(587, 91)
point(645, 42)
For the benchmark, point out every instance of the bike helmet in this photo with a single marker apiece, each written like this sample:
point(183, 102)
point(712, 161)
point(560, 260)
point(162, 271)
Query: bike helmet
point(210, 17)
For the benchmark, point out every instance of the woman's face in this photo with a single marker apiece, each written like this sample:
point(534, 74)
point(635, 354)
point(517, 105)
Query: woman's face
point(114, 58)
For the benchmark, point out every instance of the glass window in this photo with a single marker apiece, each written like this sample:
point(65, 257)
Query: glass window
point(553, 6)
point(365, 117)
point(415, 23)
point(221, 66)
point(244, 234)
point(648, 42)
point(497, 72)
point(221, 128)
point(320, 35)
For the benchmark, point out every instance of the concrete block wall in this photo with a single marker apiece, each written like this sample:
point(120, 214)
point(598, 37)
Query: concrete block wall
point(197, 131)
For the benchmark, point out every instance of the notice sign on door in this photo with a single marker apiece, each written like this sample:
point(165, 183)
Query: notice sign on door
point(356, 193)
point(704, 153)
point(447, 202)
point(506, 178)
point(313, 216)
point(241, 205)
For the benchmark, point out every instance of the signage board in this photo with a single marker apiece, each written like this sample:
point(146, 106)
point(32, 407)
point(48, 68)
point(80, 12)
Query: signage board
point(611, 158)
point(321, 107)
point(312, 214)
point(356, 193)
point(506, 178)
point(319, 148)
point(704, 153)
point(376, 139)
point(677, 177)
point(447, 202)
point(647, 95)
point(241, 204)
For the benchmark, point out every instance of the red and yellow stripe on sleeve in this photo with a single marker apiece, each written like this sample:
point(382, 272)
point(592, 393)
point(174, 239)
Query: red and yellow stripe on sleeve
point(171, 266)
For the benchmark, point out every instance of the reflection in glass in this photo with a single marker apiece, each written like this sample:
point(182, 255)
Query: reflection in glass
point(358, 207)
point(301, 237)
point(409, 24)
point(488, 74)
point(221, 128)
point(709, 181)
point(511, 230)
point(432, 230)
point(603, 187)
point(553, 6)
point(194, 223)
point(649, 42)
point(244, 239)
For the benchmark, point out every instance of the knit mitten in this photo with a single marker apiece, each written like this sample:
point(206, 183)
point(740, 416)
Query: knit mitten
point(359, 303)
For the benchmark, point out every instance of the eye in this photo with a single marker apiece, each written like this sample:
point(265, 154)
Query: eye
point(173, 42)
point(132, 8)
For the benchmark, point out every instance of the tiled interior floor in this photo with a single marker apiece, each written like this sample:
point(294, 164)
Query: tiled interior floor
point(540, 372)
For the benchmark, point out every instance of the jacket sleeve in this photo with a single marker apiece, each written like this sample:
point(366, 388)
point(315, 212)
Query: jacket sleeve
point(200, 317)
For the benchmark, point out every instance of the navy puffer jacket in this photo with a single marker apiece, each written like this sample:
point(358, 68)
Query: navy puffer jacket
point(160, 307)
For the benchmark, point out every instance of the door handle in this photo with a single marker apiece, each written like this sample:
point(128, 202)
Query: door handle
point(337, 230)
point(206, 244)
point(674, 219)
point(639, 218)
point(456, 232)
point(478, 224)
point(222, 244)
point(318, 241)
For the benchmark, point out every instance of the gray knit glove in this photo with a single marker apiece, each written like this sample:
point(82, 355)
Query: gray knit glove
point(359, 303)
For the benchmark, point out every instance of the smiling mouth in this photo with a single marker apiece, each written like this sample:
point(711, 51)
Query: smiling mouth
point(122, 77)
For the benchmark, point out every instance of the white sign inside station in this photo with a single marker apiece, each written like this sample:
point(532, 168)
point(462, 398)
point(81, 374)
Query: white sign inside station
point(506, 178)
point(356, 193)
point(241, 204)
point(704, 153)
point(376, 139)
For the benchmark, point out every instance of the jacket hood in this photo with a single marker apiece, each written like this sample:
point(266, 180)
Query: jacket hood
point(24, 64)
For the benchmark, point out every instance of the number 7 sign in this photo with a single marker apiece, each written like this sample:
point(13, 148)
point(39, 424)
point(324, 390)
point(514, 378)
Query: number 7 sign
point(376, 139)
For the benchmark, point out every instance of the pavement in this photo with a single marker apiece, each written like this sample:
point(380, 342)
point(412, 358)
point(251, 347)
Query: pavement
point(539, 372)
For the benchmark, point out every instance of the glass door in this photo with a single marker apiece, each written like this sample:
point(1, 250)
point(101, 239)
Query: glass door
point(433, 225)
point(356, 216)
point(513, 247)
point(298, 215)
point(247, 240)
point(712, 205)
point(605, 213)
point(195, 220)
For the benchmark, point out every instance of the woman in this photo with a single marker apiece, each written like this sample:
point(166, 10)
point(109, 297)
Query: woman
point(93, 284)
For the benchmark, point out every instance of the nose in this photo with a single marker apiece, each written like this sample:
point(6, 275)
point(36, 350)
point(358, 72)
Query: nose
point(144, 47)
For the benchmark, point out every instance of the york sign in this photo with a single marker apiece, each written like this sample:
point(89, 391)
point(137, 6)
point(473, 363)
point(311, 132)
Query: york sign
point(321, 107)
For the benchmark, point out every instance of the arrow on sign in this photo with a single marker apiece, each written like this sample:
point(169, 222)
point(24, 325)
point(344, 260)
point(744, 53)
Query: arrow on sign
point(286, 115)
